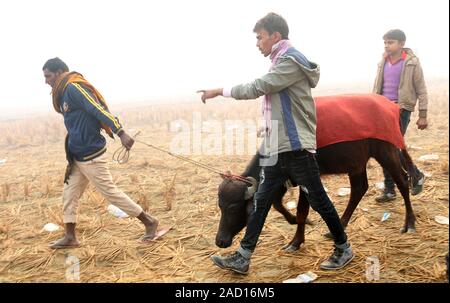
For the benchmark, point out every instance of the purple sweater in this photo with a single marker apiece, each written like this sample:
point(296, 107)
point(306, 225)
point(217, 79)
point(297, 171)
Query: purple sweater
point(391, 79)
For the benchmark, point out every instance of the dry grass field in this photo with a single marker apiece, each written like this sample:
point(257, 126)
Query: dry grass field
point(185, 197)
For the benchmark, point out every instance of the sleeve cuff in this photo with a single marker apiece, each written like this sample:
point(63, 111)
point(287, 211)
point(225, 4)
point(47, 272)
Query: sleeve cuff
point(226, 92)
point(119, 131)
point(422, 113)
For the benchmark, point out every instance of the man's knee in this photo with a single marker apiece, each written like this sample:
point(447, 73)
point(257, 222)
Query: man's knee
point(317, 199)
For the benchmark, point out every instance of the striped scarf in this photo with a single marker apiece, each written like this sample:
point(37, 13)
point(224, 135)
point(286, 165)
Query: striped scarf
point(278, 49)
point(73, 77)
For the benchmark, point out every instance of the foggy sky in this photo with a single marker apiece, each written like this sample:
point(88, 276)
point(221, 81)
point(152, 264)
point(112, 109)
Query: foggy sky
point(136, 50)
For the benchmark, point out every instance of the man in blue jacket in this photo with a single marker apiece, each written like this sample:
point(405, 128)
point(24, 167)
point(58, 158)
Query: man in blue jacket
point(85, 114)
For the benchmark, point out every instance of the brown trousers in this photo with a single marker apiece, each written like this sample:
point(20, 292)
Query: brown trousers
point(97, 172)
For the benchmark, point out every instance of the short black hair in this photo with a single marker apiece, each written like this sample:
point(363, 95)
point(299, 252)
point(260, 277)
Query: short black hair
point(395, 34)
point(273, 23)
point(55, 64)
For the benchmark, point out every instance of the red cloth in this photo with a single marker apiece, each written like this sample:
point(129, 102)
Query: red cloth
point(355, 117)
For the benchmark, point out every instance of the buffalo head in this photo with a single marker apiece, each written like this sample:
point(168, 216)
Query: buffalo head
point(235, 203)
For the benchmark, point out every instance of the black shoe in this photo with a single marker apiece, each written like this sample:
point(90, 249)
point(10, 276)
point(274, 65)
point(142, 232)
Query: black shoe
point(340, 257)
point(386, 197)
point(417, 186)
point(235, 261)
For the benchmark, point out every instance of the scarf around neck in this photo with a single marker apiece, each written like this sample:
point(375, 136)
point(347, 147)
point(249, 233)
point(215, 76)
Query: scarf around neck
point(74, 77)
point(278, 49)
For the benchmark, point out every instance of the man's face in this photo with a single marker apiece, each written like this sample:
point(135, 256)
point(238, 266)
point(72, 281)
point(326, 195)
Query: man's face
point(393, 46)
point(50, 77)
point(265, 41)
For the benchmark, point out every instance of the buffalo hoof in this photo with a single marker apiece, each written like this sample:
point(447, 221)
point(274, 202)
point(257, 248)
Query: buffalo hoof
point(290, 248)
point(309, 222)
point(409, 230)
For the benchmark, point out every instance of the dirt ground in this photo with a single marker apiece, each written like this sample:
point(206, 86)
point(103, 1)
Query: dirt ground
point(184, 197)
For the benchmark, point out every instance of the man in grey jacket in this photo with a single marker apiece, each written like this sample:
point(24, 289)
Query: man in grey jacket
point(290, 131)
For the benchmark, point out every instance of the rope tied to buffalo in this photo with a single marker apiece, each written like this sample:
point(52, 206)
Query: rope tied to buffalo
point(122, 155)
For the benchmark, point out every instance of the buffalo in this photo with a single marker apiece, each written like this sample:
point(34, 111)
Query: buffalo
point(371, 134)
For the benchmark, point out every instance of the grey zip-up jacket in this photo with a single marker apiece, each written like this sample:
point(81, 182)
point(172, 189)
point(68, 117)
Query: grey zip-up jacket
point(289, 83)
point(412, 84)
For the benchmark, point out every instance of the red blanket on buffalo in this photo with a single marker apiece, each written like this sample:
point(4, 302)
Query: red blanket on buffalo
point(355, 117)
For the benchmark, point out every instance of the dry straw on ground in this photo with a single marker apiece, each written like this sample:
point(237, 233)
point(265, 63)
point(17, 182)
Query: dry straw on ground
point(185, 197)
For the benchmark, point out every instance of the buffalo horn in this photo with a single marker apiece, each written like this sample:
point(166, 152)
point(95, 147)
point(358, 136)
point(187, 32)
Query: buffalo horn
point(251, 190)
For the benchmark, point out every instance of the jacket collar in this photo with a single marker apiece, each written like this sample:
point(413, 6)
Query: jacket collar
point(403, 57)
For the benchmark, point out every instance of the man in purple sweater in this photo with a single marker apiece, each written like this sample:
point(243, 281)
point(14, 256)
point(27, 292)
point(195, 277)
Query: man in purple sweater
point(400, 79)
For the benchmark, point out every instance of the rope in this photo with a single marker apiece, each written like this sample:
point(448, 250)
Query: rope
point(122, 155)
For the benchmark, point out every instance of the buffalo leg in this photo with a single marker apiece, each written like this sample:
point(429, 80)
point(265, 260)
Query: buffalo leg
point(277, 198)
point(359, 185)
point(390, 160)
point(302, 214)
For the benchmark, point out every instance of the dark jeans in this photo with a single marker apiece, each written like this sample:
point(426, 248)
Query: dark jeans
point(389, 185)
point(301, 168)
